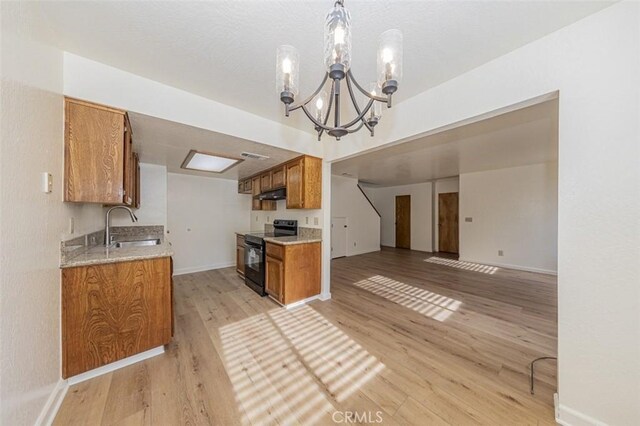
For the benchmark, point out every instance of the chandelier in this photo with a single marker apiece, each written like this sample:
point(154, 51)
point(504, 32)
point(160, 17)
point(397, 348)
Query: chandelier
point(337, 59)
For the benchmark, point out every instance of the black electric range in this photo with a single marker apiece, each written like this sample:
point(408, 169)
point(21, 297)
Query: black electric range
point(254, 253)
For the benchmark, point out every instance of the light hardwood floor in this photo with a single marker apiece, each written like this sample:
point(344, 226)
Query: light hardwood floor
point(408, 337)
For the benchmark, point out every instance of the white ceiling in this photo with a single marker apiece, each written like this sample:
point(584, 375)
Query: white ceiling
point(159, 141)
point(225, 49)
point(525, 136)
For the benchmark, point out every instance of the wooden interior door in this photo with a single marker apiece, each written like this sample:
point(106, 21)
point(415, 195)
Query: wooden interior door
point(448, 222)
point(403, 221)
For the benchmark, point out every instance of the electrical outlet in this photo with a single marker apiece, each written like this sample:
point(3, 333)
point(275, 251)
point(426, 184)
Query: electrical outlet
point(256, 218)
point(71, 225)
point(267, 219)
point(315, 221)
point(306, 220)
point(500, 253)
point(354, 243)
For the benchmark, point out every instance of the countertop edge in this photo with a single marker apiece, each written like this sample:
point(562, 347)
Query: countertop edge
point(78, 263)
point(274, 240)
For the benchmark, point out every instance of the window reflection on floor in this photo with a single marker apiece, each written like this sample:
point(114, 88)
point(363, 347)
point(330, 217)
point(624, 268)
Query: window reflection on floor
point(425, 302)
point(469, 266)
point(287, 366)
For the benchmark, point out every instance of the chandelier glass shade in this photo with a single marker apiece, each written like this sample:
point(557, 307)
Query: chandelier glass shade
point(322, 107)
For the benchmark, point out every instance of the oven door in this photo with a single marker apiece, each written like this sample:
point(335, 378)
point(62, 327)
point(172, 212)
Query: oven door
point(253, 263)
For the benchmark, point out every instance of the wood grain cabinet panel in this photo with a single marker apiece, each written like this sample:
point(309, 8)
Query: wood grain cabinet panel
point(265, 182)
point(274, 277)
point(293, 272)
point(240, 254)
point(279, 177)
point(304, 183)
point(112, 311)
point(99, 162)
point(255, 191)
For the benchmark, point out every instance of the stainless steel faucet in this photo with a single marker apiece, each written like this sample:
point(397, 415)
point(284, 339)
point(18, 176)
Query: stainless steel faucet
point(107, 229)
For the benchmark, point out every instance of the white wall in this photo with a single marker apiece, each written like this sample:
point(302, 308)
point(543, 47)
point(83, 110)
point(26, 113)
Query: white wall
point(153, 199)
point(442, 186)
point(363, 223)
point(595, 65)
point(87, 79)
point(514, 210)
point(203, 214)
point(32, 223)
point(421, 213)
point(306, 218)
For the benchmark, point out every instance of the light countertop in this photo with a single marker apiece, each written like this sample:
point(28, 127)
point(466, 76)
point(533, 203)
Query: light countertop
point(297, 239)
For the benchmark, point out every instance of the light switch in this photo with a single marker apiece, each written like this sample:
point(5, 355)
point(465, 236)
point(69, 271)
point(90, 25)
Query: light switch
point(47, 183)
point(468, 219)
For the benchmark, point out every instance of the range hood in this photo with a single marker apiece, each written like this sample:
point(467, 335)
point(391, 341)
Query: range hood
point(277, 194)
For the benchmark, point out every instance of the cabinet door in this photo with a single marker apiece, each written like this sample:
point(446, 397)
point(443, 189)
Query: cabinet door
point(295, 185)
point(255, 190)
point(129, 171)
point(136, 191)
point(240, 259)
point(279, 177)
point(113, 311)
point(247, 186)
point(93, 153)
point(265, 182)
point(274, 276)
point(255, 186)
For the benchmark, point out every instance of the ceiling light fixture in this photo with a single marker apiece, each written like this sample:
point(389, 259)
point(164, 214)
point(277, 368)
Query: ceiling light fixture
point(208, 162)
point(337, 58)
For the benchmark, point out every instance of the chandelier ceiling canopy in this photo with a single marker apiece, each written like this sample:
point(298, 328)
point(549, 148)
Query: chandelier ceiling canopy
point(337, 59)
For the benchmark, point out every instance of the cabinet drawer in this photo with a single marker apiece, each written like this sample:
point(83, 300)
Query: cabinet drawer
point(239, 240)
point(275, 250)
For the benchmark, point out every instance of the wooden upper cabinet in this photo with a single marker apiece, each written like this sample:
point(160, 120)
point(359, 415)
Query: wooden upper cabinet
point(136, 198)
point(255, 190)
point(304, 183)
point(265, 181)
point(99, 163)
point(279, 177)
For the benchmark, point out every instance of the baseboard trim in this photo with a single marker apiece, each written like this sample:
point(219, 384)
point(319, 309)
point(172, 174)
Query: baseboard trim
point(302, 302)
point(509, 266)
point(569, 417)
point(115, 365)
point(50, 409)
point(183, 271)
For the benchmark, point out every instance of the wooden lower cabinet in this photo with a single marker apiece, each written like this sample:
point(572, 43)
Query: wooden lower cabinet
point(240, 254)
point(113, 311)
point(292, 272)
point(274, 276)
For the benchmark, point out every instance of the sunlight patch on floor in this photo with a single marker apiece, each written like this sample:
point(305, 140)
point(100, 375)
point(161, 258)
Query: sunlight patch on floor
point(427, 303)
point(469, 266)
point(280, 361)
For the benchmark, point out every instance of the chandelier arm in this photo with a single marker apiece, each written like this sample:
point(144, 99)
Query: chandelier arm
point(355, 103)
point(313, 120)
point(313, 95)
point(344, 127)
point(326, 117)
point(367, 94)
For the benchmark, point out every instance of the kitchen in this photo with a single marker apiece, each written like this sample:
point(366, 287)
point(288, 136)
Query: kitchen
point(282, 260)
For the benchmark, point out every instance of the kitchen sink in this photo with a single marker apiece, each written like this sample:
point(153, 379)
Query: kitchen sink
point(137, 243)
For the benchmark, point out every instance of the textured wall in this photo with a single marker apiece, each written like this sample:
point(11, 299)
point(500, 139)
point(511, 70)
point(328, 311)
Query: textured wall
point(31, 222)
point(514, 210)
point(202, 217)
